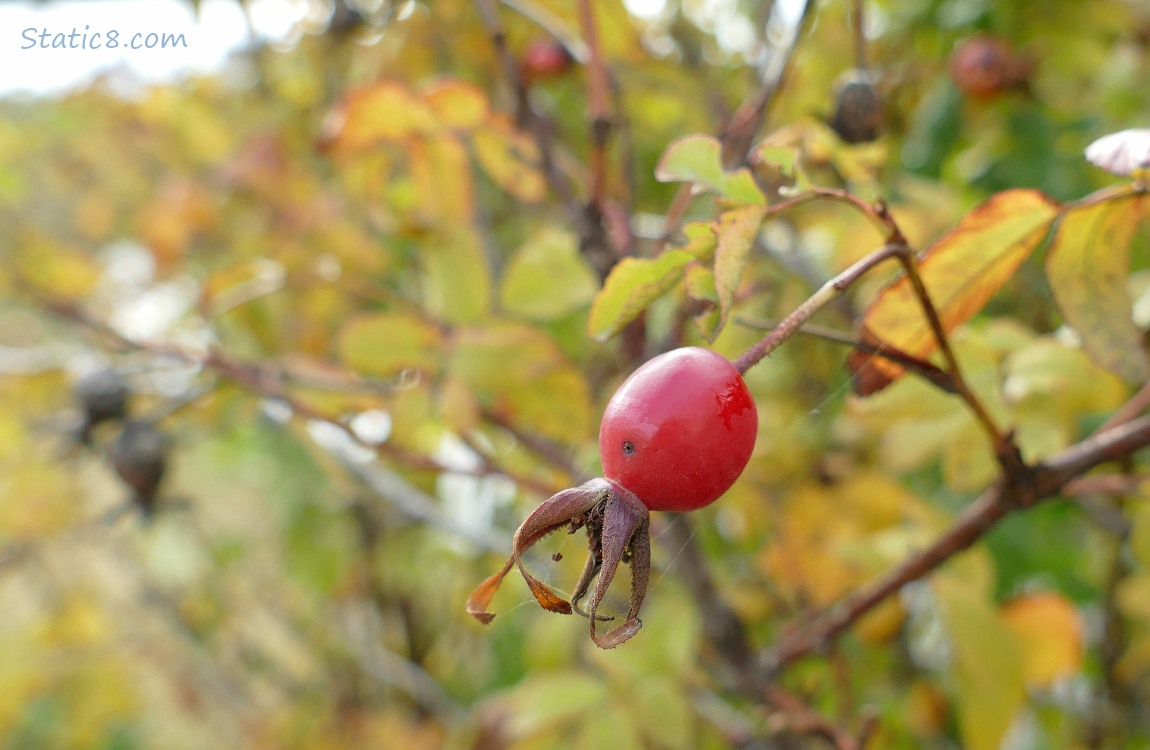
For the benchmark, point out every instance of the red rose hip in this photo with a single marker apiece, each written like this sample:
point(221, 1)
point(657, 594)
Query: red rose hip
point(680, 430)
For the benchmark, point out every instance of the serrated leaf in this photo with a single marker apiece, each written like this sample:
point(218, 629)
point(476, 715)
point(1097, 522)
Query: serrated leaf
point(1088, 264)
point(961, 270)
point(632, 285)
point(1049, 630)
point(701, 239)
point(548, 278)
point(736, 231)
point(458, 104)
point(698, 159)
point(456, 278)
point(385, 112)
point(987, 663)
point(388, 343)
point(510, 159)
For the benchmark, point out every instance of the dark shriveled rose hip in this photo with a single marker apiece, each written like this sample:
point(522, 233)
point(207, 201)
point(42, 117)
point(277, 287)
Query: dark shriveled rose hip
point(675, 436)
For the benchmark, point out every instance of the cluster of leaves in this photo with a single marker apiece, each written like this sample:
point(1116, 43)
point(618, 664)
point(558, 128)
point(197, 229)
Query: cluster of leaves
point(392, 340)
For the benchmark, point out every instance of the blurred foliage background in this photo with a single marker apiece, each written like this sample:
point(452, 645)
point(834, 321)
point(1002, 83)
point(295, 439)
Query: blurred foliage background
point(336, 278)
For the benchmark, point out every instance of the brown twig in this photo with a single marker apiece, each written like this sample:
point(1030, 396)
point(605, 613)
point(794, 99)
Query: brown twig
point(598, 109)
point(826, 294)
point(930, 372)
point(1004, 448)
point(858, 24)
point(532, 121)
point(1009, 494)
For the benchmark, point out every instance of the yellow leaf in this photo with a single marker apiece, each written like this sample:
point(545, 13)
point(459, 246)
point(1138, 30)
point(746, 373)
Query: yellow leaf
point(962, 270)
point(385, 112)
point(441, 173)
point(456, 277)
point(547, 278)
point(1049, 631)
point(458, 104)
point(510, 159)
point(736, 231)
point(987, 663)
point(387, 343)
point(1088, 264)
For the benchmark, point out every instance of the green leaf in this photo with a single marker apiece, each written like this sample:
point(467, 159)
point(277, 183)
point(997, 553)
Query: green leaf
point(520, 372)
point(701, 239)
point(544, 703)
point(612, 727)
point(387, 343)
point(698, 159)
point(632, 285)
point(1088, 264)
point(987, 663)
point(736, 231)
point(548, 278)
point(456, 278)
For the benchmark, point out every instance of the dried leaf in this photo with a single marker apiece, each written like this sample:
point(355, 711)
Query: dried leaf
point(617, 525)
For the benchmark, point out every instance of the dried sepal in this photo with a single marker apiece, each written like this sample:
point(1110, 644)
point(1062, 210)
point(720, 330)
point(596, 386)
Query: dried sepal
point(558, 511)
point(617, 525)
point(624, 538)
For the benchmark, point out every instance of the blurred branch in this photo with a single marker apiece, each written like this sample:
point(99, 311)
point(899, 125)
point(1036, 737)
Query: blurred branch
point(1113, 699)
point(748, 119)
point(598, 111)
point(1011, 493)
point(540, 129)
point(363, 639)
point(929, 371)
point(1137, 404)
point(545, 449)
point(265, 380)
point(410, 500)
point(858, 26)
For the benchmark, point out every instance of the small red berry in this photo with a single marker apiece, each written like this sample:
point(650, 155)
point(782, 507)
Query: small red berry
point(545, 58)
point(680, 430)
point(984, 66)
